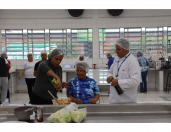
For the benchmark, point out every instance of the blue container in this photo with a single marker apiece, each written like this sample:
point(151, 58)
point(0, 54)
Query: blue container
point(21, 80)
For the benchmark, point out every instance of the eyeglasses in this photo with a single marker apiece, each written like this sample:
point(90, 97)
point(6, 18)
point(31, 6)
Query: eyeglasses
point(81, 71)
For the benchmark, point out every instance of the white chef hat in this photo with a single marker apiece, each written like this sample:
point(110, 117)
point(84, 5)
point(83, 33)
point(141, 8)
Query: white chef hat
point(56, 52)
point(81, 56)
point(43, 52)
point(140, 53)
point(123, 43)
point(4, 54)
point(108, 55)
point(82, 64)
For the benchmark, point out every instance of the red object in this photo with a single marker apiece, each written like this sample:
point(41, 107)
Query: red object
point(94, 66)
point(7, 68)
point(40, 119)
point(40, 114)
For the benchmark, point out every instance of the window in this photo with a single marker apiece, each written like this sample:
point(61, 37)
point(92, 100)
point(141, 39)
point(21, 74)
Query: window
point(134, 36)
point(151, 41)
point(107, 39)
point(18, 43)
point(81, 41)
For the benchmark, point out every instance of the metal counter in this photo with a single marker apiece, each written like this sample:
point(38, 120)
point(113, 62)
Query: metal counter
point(112, 113)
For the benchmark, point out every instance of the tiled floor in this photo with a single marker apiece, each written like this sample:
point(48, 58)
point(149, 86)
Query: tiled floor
point(151, 96)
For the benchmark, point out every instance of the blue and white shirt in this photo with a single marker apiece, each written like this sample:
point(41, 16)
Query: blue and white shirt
point(143, 62)
point(80, 88)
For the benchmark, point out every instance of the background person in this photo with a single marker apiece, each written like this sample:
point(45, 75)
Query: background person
point(124, 72)
point(143, 62)
point(111, 59)
point(82, 89)
point(44, 57)
point(4, 55)
point(47, 68)
point(81, 58)
point(3, 78)
point(28, 68)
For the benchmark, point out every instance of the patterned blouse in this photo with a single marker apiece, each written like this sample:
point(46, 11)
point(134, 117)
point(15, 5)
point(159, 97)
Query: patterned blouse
point(143, 62)
point(83, 89)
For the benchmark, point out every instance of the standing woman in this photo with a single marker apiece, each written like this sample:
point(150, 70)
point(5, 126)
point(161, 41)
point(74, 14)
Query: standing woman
point(143, 62)
point(28, 68)
point(4, 55)
point(48, 68)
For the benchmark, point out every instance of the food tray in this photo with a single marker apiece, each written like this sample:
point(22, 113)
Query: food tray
point(62, 101)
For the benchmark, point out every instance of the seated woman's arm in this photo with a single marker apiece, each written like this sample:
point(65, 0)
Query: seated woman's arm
point(77, 101)
point(96, 94)
point(96, 98)
point(70, 94)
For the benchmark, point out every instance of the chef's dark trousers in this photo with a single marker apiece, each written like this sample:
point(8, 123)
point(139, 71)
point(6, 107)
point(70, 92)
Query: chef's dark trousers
point(143, 84)
point(8, 94)
point(38, 100)
point(30, 84)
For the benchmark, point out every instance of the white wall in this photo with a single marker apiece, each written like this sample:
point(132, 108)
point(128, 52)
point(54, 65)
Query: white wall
point(88, 13)
point(95, 19)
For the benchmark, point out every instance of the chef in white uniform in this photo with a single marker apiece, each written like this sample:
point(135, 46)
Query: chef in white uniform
point(125, 72)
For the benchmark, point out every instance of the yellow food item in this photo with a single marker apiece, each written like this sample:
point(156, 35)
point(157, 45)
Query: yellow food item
point(62, 101)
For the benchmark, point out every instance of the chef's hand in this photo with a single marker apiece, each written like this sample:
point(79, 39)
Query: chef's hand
point(92, 101)
point(109, 79)
point(77, 101)
point(65, 85)
point(59, 84)
point(114, 82)
point(19, 77)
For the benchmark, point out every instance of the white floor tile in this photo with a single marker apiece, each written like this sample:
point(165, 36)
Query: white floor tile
point(19, 101)
point(139, 100)
point(24, 97)
point(147, 99)
point(158, 99)
point(17, 96)
point(105, 99)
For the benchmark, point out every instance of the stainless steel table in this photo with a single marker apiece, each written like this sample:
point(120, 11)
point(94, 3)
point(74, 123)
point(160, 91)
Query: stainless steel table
point(113, 113)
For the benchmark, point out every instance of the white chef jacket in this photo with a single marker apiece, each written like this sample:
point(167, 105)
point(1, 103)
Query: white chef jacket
point(129, 77)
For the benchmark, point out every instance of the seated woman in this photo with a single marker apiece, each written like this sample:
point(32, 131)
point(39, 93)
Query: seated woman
point(82, 89)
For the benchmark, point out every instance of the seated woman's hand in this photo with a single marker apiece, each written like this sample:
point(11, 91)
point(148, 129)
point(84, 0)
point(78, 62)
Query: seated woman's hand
point(92, 101)
point(77, 101)
point(65, 85)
